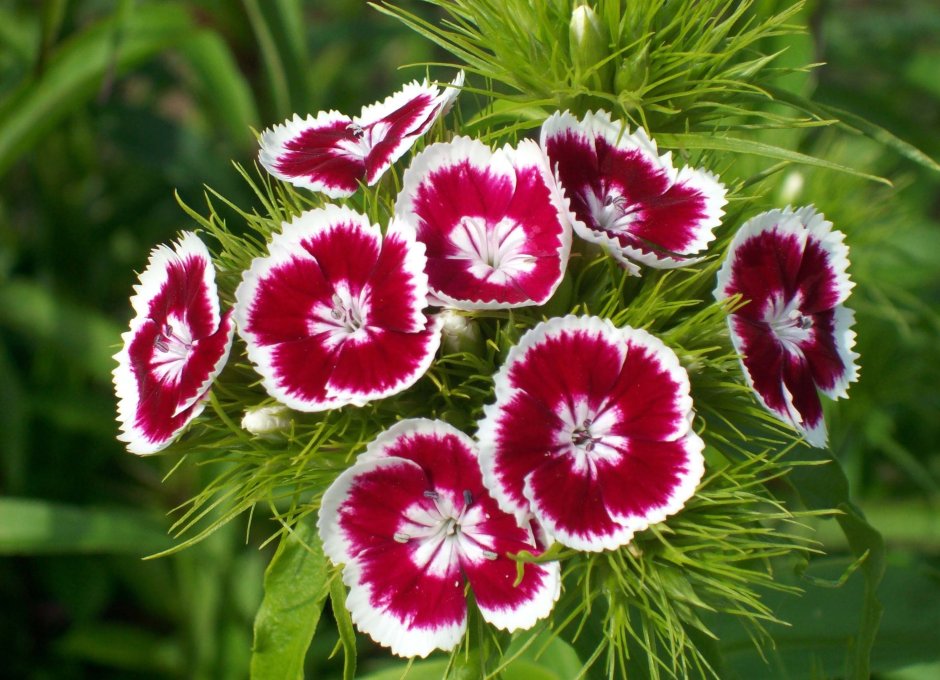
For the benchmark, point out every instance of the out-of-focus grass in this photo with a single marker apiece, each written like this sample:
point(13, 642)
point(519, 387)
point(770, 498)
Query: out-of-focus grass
point(106, 109)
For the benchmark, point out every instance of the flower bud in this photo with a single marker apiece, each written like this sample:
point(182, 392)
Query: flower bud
point(791, 189)
point(631, 75)
point(266, 421)
point(588, 46)
point(460, 333)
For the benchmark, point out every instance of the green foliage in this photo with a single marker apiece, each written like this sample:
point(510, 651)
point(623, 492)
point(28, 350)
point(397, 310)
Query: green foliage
point(296, 584)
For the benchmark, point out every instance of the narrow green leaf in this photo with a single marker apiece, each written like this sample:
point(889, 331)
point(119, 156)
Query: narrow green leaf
point(14, 420)
point(344, 625)
point(82, 335)
point(858, 124)
point(823, 487)
point(716, 142)
point(32, 527)
point(823, 626)
point(419, 670)
point(126, 648)
point(271, 56)
point(223, 87)
point(296, 584)
point(78, 68)
point(287, 24)
point(53, 13)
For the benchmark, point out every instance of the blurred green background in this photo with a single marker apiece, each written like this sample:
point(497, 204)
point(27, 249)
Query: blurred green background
point(109, 106)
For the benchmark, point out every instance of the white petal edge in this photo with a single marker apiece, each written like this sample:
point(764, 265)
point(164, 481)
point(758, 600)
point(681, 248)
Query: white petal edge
point(390, 631)
point(681, 494)
point(488, 426)
point(284, 248)
point(151, 283)
point(335, 545)
point(273, 143)
point(804, 223)
point(844, 338)
point(361, 398)
point(598, 542)
point(502, 163)
point(408, 92)
point(527, 613)
point(383, 627)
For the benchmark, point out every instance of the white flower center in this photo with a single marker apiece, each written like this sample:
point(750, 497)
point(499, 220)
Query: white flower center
point(495, 252)
point(611, 210)
point(344, 318)
point(586, 434)
point(172, 349)
point(360, 140)
point(789, 325)
point(444, 532)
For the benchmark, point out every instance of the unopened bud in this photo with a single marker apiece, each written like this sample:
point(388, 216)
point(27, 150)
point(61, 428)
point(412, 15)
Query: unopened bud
point(588, 46)
point(460, 333)
point(266, 421)
point(791, 189)
point(631, 75)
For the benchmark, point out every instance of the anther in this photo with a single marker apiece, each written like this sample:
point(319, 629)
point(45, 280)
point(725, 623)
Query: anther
point(401, 537)
point(490, 555)
point(356, 130)
point(467, 498)
point(433, 495)
point(161, 345)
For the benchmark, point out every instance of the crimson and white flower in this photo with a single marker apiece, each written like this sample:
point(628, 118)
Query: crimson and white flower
point(177, 344)
point(413, 524)
point(793, 333)
point(333, 314)
point(495, 224)
point(629, 199)
point(591, 432)
point(333, 153)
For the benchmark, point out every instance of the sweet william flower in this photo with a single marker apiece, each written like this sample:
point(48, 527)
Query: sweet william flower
point(793, 333)
point(333, 314)
point(177, 344)
point(590, 432)
point(495, 225)
point(332, 153)
point(412, 524)
point(628, 198)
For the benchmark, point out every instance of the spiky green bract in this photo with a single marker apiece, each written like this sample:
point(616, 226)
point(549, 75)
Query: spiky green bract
point(668, 66)
point(648, 602)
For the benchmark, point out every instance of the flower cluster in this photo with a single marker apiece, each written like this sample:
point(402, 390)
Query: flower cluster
point(591, 435)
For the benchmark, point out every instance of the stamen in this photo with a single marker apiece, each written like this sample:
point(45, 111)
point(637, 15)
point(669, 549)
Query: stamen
point(161, 344)
point(490, 555)
point(356, 130)
point(401, 537)
point(433, 495)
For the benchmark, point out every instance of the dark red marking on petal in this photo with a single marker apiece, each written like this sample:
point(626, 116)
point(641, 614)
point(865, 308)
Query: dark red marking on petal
point(369, 519)
point(491, 222)
point(321, 154)
point(333, 315)
point(645, 479)
point(581, 407)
